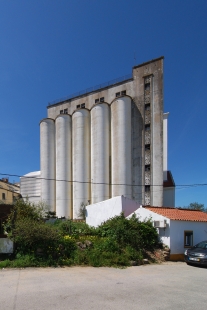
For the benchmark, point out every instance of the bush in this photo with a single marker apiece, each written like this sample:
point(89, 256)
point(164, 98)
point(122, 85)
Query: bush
point(140, 235)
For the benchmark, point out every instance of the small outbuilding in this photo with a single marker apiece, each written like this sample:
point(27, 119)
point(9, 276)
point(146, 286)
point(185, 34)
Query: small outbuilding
point(179, 229)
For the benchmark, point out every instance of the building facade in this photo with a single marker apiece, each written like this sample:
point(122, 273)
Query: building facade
point(105, 142)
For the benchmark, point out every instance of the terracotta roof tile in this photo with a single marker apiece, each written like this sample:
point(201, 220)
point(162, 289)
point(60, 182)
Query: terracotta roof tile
point(180, 214)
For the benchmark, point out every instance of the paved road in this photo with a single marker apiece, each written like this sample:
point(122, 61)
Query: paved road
point(166, 286)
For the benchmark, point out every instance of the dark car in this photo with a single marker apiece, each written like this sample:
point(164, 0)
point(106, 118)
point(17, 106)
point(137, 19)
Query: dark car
point(197, 254)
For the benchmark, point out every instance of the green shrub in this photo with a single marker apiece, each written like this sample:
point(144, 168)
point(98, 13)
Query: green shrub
point(140, 235)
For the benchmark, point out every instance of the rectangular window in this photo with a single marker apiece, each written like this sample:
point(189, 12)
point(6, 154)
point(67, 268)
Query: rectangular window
point(96, 100)
point(147, 86)
point(83, 105)
point(3, 196)
point(102, 99)
point(123, 93)
point(118, 94)
point(147, 188)
point(78, 106)
point(61, 111)
point(65, 111)
point(147, 127)
point(188, 238)
point(147, 107)
point(147, 147)
point(147, 167)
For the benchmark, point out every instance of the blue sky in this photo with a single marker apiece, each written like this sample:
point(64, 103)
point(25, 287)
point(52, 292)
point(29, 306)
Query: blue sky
point(51, 48)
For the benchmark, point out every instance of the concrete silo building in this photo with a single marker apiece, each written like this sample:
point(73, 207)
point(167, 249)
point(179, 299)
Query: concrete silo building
point(106, 141)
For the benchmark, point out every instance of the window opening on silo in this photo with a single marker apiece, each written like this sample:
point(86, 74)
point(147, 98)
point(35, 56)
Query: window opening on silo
point(65, 111)
point(102, 99)
point(96, 100)
point(83, 105)
point(147, 86)
point(61, 111)
point(147, 147)
point(118, 94)
point(147, 127)
point(123, 92)
point(78, 106)
point(147, 188)
point(147, 167)
point(147, 107)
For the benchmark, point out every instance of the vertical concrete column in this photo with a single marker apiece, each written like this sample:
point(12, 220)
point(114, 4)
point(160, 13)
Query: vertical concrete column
point(47, 162)
point(63, 165)
point(81, 159)
point(121, 147)
point(100, 152)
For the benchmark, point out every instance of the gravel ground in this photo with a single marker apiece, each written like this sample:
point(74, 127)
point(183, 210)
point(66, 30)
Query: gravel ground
point(166, 286)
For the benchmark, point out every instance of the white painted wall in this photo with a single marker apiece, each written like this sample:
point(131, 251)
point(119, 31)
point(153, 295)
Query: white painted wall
point(164, 233)
point(6, 245)
point(102, 211)
point(177, 229)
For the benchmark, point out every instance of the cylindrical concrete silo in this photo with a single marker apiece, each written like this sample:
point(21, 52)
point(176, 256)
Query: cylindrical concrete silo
point(81, 159)
point(121, 147)
point(47, 162)
point(100, 152)
point(63, 165)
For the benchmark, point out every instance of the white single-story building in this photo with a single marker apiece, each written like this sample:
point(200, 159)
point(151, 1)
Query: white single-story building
point(179, 229)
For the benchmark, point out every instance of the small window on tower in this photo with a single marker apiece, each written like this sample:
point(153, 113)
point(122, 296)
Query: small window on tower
point(78, 106)
point(123, 93)
point(65, 111)
point(147, 147)
point(102, 99)
point(147, 167)
point(147, 127)
point(147, 86)
point(61, 111)
point(96, 100)
point(83, 105)
point(147, 107)
point(147, 188)
point(3, 196)
point(118, 94)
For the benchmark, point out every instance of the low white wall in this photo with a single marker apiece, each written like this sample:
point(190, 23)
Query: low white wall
point(177, 229)
point(6, 245)
point(164, 233)
point(102, 211)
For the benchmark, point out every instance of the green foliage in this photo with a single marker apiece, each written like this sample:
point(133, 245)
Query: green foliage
point(133, 232)
point(75, 229)
point(115, 242)
point(196, 206)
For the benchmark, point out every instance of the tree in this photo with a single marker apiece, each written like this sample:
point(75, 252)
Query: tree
point(196, 206)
